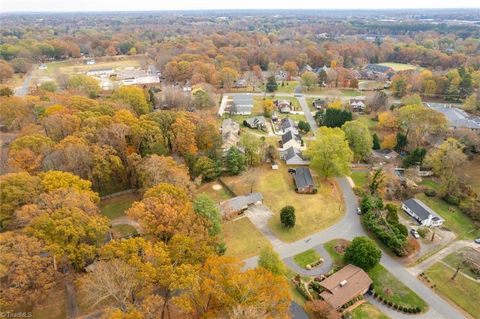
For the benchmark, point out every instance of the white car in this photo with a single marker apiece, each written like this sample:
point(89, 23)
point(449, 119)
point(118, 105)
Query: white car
point(359, 211)
point(477, 241)
point(414, 233)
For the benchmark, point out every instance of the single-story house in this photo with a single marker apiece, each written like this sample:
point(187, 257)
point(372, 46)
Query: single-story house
point(294, 156)
point(423, 214)
point(291, 139)
point(320, 104)
point(284, 106)
point(345, 285)
point(242, 104)
point(257, 122)
point(287, 124)
point(230, 134)
point(357, 105)
point(100, 72)
point(90, 62)
point(456, 117)
point(304, 183)
point(237, 205)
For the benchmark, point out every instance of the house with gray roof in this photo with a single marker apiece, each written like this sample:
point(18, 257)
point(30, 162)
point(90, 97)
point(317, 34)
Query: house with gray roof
point(242, 104)
point(237, 205)
point(287, 124)
point(257, 122)
point(304, 183)
point(456, 117)
point(294, 156)
point(284, 106)
point(423, 214)
point(291, 139)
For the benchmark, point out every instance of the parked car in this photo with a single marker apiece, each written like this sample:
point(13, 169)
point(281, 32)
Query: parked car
point(292, 170)
point(477, 241)
point(415, 233)
point(359, 211)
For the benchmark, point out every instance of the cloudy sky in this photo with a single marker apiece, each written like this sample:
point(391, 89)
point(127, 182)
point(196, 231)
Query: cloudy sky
point(145, 5)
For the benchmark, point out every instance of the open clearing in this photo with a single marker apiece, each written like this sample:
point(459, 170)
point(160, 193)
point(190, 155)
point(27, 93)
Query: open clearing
point(454, 218)
point(368, 311)
point(115, 207)
point(462, 291)
point(215, 190)
point(243, 239)
point(313, 212)
point(360, 178)
point(401, 66)
point(454, 258)
point(472, 173)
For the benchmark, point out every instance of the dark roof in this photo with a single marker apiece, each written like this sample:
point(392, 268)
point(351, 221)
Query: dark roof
point(419, 208)
point(379, 68)
point(287, 123)
point(288, 136)
point(238, 203)
point(256, 121)
point(290, 153)
point(243, 100)
point(303, 177)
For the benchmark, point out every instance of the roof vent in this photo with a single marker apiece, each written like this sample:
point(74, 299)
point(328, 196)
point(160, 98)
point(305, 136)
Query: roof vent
point(343, 283)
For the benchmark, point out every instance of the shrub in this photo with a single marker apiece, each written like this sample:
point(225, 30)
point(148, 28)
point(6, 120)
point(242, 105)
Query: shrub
point(451, 199)
point(430, 192)
point(287, 216)
point(363, 252)
point(423, 231)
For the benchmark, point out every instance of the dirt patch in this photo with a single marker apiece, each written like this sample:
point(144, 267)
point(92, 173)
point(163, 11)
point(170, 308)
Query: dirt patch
point(217, 187)
point(341, 246)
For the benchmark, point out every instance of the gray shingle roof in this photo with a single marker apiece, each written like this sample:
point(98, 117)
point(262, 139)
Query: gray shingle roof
point(287, 123)
point(288, 136)
point(419, 208)
point(238, 203)
point(456, 117)
point(243, 100)
point(303, 177)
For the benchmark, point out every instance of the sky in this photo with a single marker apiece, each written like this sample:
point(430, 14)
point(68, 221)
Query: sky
point(147, 5)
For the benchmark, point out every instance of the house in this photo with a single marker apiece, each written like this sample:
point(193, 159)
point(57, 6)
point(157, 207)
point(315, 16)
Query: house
point(294, 156)
point(304, 181)
point(90, 62)
point(287, 124)
point(291, 139)
point(42, 66)
point(377, 72)
point(423, 214)
point(100, 72)
point(284, 106)
point(237, 205)
point(242, 104)
point(357, 105)
point(187, 87)
point(456, 117)
point(230, 134)
point(240, 84)
point(257, 122)
point(345, 285)
point(320, 104)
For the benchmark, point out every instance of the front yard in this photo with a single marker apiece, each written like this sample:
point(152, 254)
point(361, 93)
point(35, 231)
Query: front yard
point(462, 291)
point(242, 238)
point(368, 311)
point(306, 258)
point(313, 212)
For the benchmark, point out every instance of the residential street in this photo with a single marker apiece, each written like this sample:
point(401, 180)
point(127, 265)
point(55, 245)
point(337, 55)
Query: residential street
point(308, 113)
point(23, 90)
point(349, 227)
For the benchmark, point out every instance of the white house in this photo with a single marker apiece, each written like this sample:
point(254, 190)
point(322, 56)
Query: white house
point(90, 62)
point(423, 214)
point(294, 156)
point(100, 72)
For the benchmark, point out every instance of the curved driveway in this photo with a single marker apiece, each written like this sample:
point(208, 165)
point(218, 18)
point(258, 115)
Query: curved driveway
point(349, 227)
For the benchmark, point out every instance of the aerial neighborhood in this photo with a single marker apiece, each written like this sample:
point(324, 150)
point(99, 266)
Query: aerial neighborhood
point(240, 164)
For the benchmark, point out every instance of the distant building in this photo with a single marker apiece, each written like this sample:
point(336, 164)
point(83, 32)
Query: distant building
point(240, 84)
point(237, 205)
point(100, 72)
point(345, 285)
point(257, 122)
point(284, 106)
point(357, 105)
point(90, 62)
point(456, 117)
point(42, 66)
point(319, 104)
point(242, 104)
point(304, 181)
point(294, 156)
point(423, 214)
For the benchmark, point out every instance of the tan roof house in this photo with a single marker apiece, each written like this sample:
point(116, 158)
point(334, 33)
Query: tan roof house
point(345, 285)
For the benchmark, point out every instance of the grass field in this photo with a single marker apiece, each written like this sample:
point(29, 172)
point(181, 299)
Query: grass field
point(334, 92)
point(430, 183)
point(360, 178)
point(218, 195)
point(472, 172)
point(120, 231)
point(462, 291)
point(115, 207)
point(368, 85)
point(368, 121)
point(313, 212)
point(454, 218)
point(243, 239)
point(401, 66)
point(336, 256)
point(368, 311)
point(391, 289)
point(454, 258)
point(306, 258)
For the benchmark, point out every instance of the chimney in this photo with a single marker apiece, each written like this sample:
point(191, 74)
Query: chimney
point(343, 283)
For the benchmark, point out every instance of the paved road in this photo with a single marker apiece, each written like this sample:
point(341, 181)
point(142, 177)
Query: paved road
point(308, 113)
point(23, 90)
point(349, 227)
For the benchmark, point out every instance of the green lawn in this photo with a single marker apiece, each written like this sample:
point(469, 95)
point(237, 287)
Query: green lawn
point(401, 66)
point(307, 257)
point(454, 258)
point(369, 85)
point(313, 212)
point(78, 65)
point(430, 183)
point(218, 195)
point(472, 174)
point(336, 256)
point(368, 311)
point(368, 121)
point(454, 218)
point(334, 92)
point(115, 207)
point(243, 239)
point(462, 291)
point(391, 289)
point(360, 178)
point(120, 231)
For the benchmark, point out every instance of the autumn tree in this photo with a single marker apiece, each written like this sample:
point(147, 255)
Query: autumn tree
point(271, 261)
point(184, 137)
point(204, 206)
point(235, 161)
point(389, 141)
point(330, 154)
point(254, 149)
point(268, 107)
point(320, 309)
point(291, 67)
point(166, 210)
point(309, 79)
point(134, 97)
point(84, 83)
point(207, 168)
point(228, 76)
point(447, 162)
point(359, 139)
point(27, 152)
point(387, 121)
point(6, 71)
point(27, 274)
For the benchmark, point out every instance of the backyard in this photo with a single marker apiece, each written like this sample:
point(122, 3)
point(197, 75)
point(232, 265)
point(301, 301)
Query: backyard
point(284, 87)
point(115, 207)
point(313, 212)
point(242, 238)
point(462, 291)
point(454, 218)
point(360, 178)
point(215, 190)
